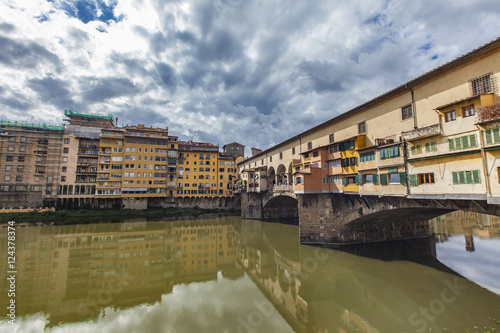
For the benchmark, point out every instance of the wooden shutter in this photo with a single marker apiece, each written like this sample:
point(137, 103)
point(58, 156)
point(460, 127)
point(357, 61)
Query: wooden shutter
point(344, 181)
point(413, 180)
point(455, 177)
point(402, 178)
point(476, 176)
point(375, 178)
point(383, 179)
point(451, 142)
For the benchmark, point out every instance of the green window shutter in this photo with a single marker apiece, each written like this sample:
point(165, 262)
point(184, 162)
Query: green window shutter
point(358, 180)
point(402, 178)
point(354, 160)
point(465, 142)
point(455, 177)
point(476, 176)
point(383, 179)
point(413, 150)
point(375, 178)
point(427, 147)
point(468, 177)
point(451, 142)
point(473, 140)
point(458, 143)
point(351, 144)
point(344, 181)
point(488, 137)
point(461, 177)
point(413, 180)
point(496, 135)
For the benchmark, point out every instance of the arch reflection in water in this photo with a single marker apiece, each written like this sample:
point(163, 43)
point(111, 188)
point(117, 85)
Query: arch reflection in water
point(231, 275)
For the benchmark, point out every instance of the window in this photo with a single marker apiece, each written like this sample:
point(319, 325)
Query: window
point(362, 127)
point(293, 151)
point(466, 177)
point(63, 178)
point(334, 149)
point(6, 178)
point(65, 150)
point(298, 180)
point(331, 138)
point(389, 152)
point(482, 85)
point(66, 140)
point(281, 156)
point(325, 165)
point(20, 159)
point(421, 178)
point(335, 179)
point(416, 149)
point(9, 158)
point(22, 149)
point(315, 154)
point(20, 168)
point(430, 146)
point(368, 156)
point(270, 158)
point(407, 112)
point(325, 180)
point(19, 178)
point(65, 159)
point(23, 139)
point(450, 116)
point(335, 163)
point(468, 111)
point(10, 148)
point(8, 168)
point(463, 142)
point(492, 135)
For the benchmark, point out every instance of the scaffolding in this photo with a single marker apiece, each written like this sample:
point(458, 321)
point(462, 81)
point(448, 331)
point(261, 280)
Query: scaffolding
point(73, 114)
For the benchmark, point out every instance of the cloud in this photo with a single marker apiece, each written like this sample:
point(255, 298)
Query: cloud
point(240, 67)
point(21, 54)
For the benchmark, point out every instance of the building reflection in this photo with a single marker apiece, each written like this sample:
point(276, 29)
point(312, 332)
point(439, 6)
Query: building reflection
point(73, 273)
point(468, 224)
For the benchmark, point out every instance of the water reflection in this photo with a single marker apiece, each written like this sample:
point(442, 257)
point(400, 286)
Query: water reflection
point(228, 275)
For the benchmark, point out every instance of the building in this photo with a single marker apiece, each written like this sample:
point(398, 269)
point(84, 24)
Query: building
point(30, 164)
point(89, 162)
point(236, 149)
point(435, 137)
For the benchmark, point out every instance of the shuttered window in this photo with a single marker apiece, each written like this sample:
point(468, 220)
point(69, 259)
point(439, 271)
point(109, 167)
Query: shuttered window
point(466, 177)
point(492, 135)
point(430, 146)
point(463, 142)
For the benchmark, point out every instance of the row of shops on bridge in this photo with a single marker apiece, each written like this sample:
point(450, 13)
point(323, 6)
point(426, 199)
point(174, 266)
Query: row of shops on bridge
point(435, 137)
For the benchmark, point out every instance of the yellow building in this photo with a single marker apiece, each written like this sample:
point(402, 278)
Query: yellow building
point(197, 169)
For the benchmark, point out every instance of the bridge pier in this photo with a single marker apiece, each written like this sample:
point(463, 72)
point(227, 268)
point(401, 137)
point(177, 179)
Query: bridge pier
point(251, 205)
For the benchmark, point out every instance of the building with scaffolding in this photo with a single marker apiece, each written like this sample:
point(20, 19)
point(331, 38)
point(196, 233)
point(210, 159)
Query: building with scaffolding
point(30, 157)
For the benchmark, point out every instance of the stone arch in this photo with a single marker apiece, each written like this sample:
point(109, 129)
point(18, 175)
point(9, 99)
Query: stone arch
point(281, 175)
point(271, 176)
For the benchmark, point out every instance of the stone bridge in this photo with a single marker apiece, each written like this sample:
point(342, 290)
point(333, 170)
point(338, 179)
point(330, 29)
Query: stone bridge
point(341, 219)
point(279, 202)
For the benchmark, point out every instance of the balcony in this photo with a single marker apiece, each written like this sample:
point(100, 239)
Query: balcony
point(421, 133)
point(43, 142)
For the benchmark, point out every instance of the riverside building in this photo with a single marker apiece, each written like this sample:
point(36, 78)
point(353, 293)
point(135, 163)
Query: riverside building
point(90, 162)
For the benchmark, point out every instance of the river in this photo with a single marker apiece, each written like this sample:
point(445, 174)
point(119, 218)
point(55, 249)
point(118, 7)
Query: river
point(226, 274)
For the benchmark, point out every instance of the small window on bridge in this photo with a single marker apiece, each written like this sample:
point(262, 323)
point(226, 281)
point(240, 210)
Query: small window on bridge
point(309, 145)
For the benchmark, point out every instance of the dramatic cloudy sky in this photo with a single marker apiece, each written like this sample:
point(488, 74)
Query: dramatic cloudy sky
point(252, 71)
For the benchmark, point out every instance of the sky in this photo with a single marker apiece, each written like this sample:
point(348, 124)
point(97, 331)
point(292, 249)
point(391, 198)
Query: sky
point(252, 71)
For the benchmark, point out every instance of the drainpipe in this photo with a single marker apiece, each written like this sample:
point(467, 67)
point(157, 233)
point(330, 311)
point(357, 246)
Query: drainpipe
point(485, 165)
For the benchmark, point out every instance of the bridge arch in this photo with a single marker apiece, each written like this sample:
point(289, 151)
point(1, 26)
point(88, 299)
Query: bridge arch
point(281, 207)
